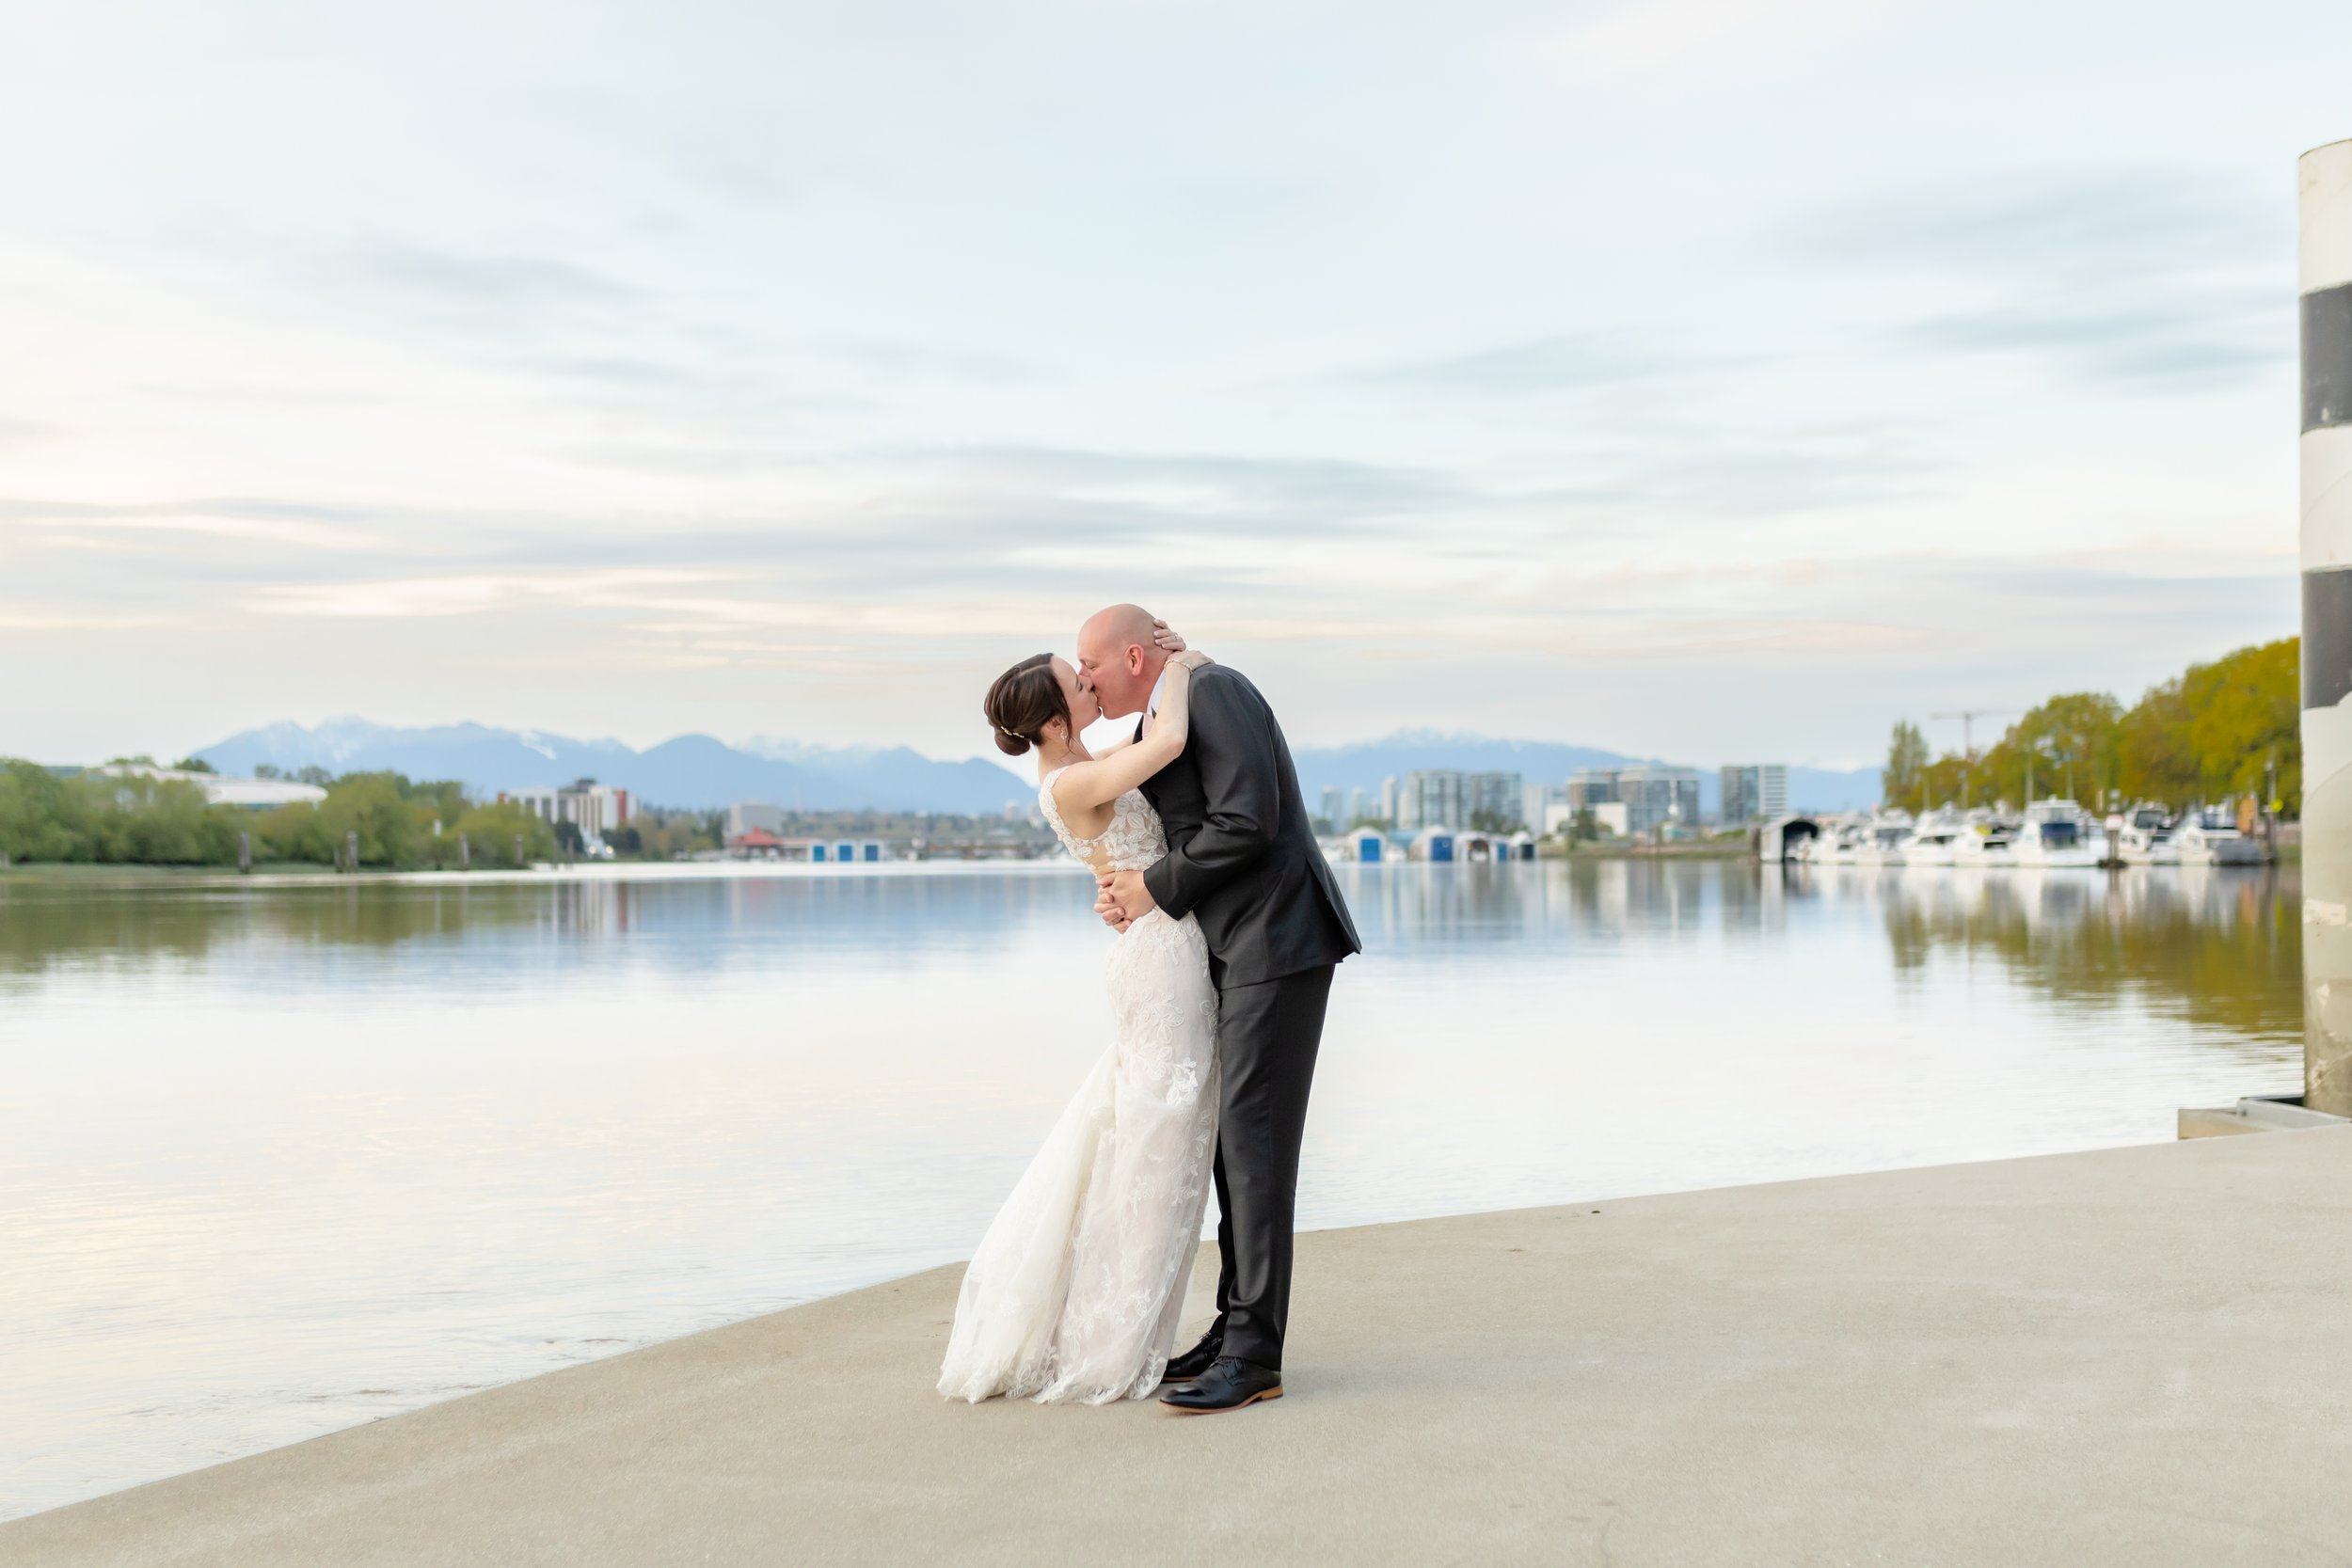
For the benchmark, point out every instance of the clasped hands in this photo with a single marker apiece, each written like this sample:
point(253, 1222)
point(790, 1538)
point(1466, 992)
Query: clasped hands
point(1122, 899)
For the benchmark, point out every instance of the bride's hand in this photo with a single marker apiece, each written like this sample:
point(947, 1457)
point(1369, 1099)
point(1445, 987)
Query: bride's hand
point(1168, 639)
point(1191, 658)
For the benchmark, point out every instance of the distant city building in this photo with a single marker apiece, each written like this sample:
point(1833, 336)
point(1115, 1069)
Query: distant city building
point(1493, 800)
point(1609, 817)
point(1391, 802)
point(595, 809)
point(758, 843)
point(1756, 792)
point(1359, 806)
point(1538, 803)
point(746, 816)
point(1432, 798)
point(1334, 803)
point(1592, 786)
point(1656, 795)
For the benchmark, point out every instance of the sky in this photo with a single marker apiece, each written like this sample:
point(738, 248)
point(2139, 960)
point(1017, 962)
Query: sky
point(1705, 379)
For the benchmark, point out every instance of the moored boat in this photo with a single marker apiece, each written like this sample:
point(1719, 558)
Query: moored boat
point(1989, 847)
point(2210, 838)
point(2145, 838)
point(2056, 835)
point(1881, 840)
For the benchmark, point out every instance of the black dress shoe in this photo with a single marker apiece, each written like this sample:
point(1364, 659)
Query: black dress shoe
point(1185, 1368)
point(1227, 1385)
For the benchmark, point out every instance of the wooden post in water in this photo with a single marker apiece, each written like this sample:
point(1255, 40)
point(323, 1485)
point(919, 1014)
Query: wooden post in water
point(245, 854)
point(2324, 181)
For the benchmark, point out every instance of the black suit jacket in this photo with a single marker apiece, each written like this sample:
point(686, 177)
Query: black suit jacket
point(1242, 857)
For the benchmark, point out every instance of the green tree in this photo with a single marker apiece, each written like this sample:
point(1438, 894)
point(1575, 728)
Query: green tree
point(2216, 729)
point(1906, 765)
point(2070, 745)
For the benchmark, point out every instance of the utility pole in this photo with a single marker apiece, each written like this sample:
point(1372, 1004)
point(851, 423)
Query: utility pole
point(1968, 717)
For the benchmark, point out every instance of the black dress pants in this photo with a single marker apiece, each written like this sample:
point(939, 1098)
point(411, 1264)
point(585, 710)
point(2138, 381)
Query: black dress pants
point(1266, 1038)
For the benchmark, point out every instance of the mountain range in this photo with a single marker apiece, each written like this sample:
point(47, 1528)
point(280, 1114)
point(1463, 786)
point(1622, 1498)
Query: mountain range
point(691, 772)
point(698, 772)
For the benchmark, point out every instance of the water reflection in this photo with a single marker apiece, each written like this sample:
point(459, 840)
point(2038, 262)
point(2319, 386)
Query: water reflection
point(278, 1159)
point(2221, 947)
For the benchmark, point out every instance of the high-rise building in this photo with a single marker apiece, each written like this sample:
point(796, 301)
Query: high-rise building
point(1391, 805)
point(1756, 792)
point(595, 809)
point(1493, 800)
point(1359, 806)
point(1542, 804)
point(1432, 798)
point(1592, 786)
point(1656, 795)
point(1333, 806)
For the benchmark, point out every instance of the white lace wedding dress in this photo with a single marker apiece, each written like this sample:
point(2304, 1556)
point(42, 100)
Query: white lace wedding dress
point(1075, 1293)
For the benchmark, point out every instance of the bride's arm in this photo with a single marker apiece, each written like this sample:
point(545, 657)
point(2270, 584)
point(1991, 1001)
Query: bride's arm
point(1106, 778)
point(1170, 640)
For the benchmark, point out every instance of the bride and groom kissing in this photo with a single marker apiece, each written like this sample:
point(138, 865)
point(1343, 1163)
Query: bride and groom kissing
point(1230, 925)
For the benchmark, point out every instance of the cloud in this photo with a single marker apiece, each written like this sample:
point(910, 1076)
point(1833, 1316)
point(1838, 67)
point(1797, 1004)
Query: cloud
point(2072, 230)
point(2136, 347)
point(1646, 35)
point(499, 280)
point(468, 594)
point(2134, 279)
point(311, 528)
point(1551, 364)
point(15, 433)
point(49, 618)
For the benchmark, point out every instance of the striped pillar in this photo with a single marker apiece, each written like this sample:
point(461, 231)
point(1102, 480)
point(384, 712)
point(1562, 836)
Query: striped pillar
point(2325, 179)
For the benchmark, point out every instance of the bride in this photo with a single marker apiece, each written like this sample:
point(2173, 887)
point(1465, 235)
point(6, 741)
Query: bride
point(1074, 1291)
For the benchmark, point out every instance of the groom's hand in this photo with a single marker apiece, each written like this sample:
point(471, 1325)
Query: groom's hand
point(1124, 890)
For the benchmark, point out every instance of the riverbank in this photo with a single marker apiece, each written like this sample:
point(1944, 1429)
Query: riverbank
point(2123, 1357)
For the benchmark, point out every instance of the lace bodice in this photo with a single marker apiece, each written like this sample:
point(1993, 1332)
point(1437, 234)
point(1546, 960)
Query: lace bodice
point(1133, 842)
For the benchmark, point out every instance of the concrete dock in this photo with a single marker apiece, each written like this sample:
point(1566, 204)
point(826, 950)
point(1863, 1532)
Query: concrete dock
point(2128, 1357)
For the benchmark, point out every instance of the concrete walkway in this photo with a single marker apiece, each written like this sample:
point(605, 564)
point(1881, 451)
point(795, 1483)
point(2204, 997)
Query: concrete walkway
point(2129, 1357)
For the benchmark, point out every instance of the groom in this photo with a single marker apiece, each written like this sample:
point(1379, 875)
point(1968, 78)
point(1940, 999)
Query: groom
point(1242, 860)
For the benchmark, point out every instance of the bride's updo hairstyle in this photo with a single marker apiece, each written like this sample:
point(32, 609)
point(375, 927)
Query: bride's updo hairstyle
point(1022, 701)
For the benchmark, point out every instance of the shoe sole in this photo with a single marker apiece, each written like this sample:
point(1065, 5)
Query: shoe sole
point(1275, 1393)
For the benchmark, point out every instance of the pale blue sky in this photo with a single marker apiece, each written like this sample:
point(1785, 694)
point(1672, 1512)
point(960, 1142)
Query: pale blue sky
point(1694, 377)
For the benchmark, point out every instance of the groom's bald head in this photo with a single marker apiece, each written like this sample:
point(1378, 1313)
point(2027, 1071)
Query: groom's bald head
point(1118, 654)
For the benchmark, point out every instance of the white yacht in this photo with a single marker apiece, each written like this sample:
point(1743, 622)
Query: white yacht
point(1882, 838)
point(1936, 840)
point(2057, 835)
point(2146, 839)
point(1833, 846)
point(1989, 845)
point(2211, 838)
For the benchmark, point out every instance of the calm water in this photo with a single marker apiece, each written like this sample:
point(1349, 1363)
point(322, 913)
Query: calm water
point(278, 1160)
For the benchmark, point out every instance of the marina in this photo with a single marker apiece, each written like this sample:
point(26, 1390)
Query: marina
point(2053, 834)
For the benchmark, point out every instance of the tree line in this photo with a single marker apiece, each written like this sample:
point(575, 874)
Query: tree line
point(132, 819)
point(2216, 731)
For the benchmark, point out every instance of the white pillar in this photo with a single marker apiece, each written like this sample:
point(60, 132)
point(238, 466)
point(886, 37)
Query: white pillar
point(2324, 283)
